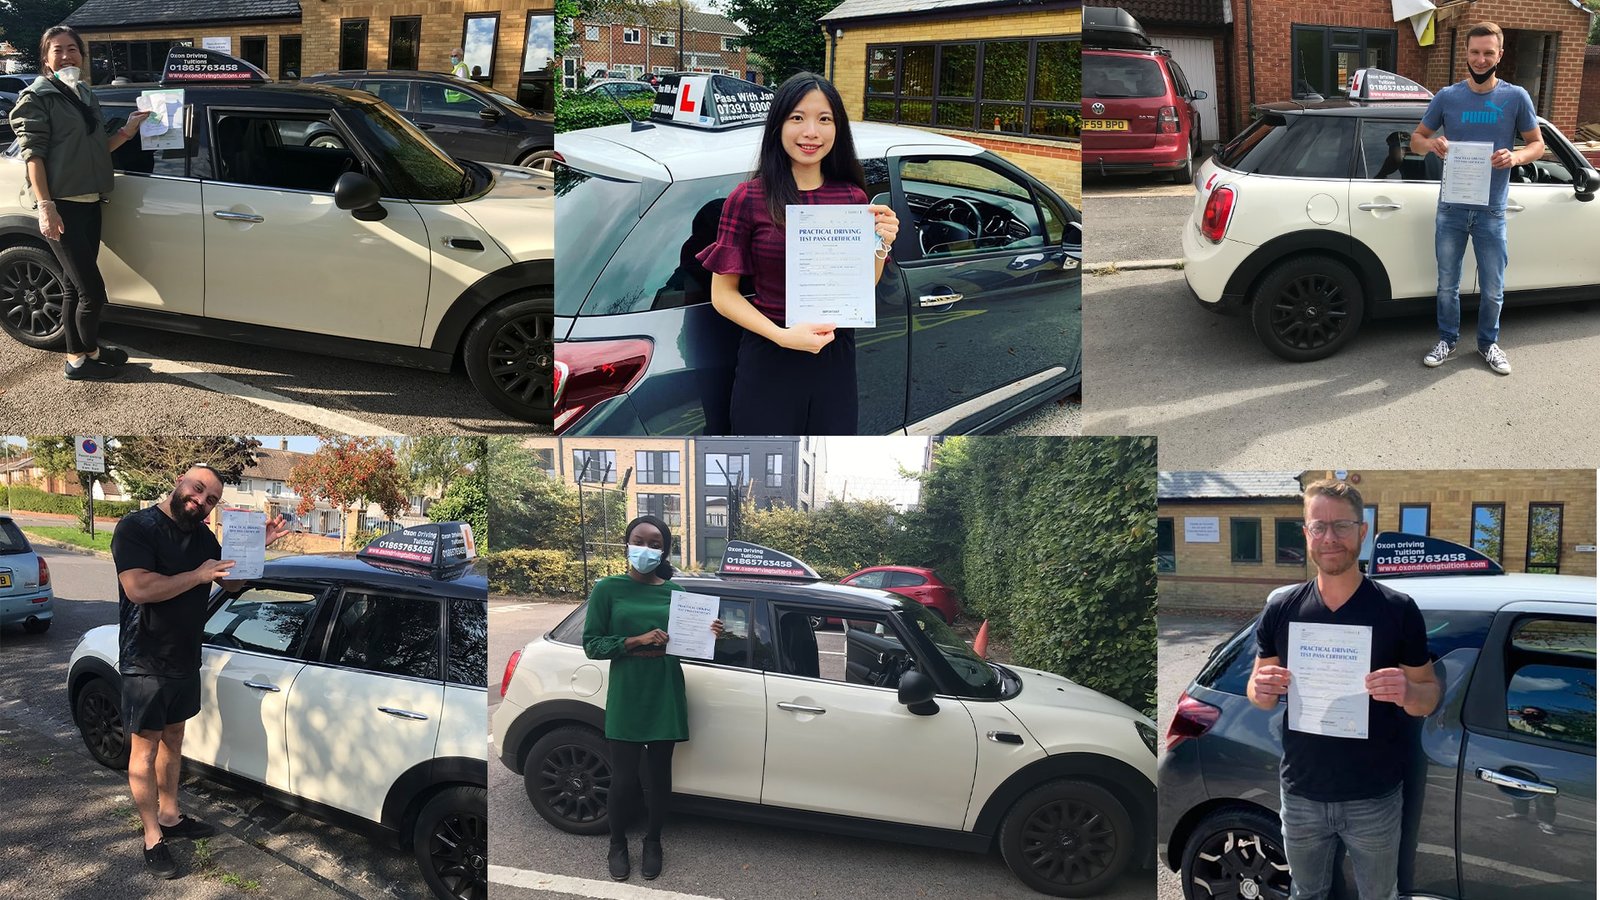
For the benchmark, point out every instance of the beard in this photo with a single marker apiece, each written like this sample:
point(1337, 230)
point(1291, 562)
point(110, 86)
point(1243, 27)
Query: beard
point(1335, 565)
point(188, 514)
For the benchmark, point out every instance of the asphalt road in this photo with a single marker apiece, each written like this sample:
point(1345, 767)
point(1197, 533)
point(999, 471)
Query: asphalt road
point(185, 385)
point(710, 858)
point(1130, 220)
point(291, 855)
point(1217, 399)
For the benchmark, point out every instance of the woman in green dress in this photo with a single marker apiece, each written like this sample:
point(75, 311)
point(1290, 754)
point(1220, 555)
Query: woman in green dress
point(647, 712)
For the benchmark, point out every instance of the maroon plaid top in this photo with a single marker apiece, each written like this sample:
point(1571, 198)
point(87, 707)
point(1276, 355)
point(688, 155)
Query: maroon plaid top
point(749, 243)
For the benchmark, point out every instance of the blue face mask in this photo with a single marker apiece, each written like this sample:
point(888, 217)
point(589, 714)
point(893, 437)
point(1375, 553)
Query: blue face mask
point(644, 559)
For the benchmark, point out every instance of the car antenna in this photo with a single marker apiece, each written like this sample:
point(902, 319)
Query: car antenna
point(635, 124)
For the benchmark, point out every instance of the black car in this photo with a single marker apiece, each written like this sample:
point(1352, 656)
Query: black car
point(1500, 786)
point(468, 120)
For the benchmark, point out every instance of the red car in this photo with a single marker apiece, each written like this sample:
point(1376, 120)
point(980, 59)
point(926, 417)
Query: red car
point(1139, 112)
point(921, 585)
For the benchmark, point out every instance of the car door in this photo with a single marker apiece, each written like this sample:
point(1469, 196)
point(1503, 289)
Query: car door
point(149, 220)
point(727, 715)
point(1527, 780)
point(454, 119)
point(840, 742)
point(465, 719)
point(249, 665)
point(989, 277)
point(1542, 209)
point(370, 708)
point(278, 252)
point(1393, 199)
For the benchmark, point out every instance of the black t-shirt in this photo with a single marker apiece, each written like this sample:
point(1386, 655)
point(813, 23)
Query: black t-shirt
point(162, 638)
point(1331, 769)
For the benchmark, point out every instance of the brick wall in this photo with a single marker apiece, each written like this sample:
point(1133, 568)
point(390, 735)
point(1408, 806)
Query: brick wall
point(1589, 98)
point(610, 51)
point(1206, 575)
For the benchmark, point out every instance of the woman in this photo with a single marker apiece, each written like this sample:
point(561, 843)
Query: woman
point(67, 152)
point(799, 379)
point(647, 712)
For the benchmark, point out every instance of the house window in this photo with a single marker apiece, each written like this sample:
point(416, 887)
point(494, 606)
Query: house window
point(1414, 518)
point(716, 512)
point(137, 60)
point(1246, 535)
point(591, 32)
point(630, 35)
point(666, 507)
point(594, 466)
point(405, 34)
point(253, 50)
point(1023, 87)
point(1166, 548)
point(1290, 542)
point(1544, 538)
point(289, 56)
point(1325, 57)
point(657, 466)
point(1489, 529)
point(545, 461)
point(536, 90)
point(805, 476)
point(730, 44)
point(274, 488)
point(774, 470)
point(665, 39)
point(352, 43)
point(1369, 516)
point(726, 468)
point(478, 45)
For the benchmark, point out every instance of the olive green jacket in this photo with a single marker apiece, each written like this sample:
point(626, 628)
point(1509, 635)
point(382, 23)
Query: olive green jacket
point(77, 159)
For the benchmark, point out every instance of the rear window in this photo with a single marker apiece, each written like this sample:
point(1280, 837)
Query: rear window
point(596, 214)
point(12, 539)
point(1122, 78)
point(1295, 146)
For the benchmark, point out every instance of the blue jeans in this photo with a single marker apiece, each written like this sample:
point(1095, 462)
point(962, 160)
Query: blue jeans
point(1370, 830)
point(1487, 228)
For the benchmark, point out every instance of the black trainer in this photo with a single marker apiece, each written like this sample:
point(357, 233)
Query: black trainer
point(651, 866)
point(618, 859)
point(111, 356)
point(159, 861)
point(187, 828)
point(91, 370)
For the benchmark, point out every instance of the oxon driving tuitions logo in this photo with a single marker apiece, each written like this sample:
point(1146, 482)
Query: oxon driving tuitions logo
point(745, 558)
point(1394, 553)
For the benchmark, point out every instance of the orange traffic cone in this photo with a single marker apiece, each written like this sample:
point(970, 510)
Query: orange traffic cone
point(980, 644)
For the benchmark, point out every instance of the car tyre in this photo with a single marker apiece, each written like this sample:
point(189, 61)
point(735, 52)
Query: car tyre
point(568, 777)
point(36, 626)
point(32, 291)
point(1184, 175)
point(509, 356)
point(1235, 853)
point(543, 160)
point(1067, 838)
point(1307, 307)
point(98, 713)
point(451, 843)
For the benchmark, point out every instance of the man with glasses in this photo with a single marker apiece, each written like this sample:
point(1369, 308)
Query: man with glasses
point(1345, 789)
point(166, 559)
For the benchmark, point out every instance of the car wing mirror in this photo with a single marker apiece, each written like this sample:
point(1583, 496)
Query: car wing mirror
point(916, 693)
point(359, 194)
point(1200, 95)
point(1587, 182)
point(489, 114)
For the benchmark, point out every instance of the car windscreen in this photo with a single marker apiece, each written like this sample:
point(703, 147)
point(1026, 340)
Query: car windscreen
point(12, 539)
point(1300, 147)
point(978, 678)
point(1122, 78)
point(414, 165)
point(507, 102)
point(596, 214)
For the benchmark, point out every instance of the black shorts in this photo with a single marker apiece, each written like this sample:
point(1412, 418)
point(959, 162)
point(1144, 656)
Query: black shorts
point(152, 702)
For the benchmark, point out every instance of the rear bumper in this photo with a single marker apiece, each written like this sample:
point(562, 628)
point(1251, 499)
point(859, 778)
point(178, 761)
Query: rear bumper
point(20, 609)
point(1207, 268)
point(1170, 151)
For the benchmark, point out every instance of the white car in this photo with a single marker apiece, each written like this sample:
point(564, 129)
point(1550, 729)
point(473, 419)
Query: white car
point(1318, 216)
point(382, 248)
point(346, 686)
point(907, 735)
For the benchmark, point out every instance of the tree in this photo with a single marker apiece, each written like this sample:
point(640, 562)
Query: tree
point(1594, 21)
point(350, 472)
point(58, 457)
point(436, 460)
point(148, 465)
point(465, 500)
point(23, 22)
point(785, 33)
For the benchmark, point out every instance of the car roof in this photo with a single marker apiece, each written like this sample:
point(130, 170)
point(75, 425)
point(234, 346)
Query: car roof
point(1488, 593)
point(409, 74)
point(832, 597)
point(464, 582)
point(291, 93)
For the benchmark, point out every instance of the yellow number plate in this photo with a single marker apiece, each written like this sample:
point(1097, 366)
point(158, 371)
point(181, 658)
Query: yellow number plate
point(5, 579)
point(1105, 124)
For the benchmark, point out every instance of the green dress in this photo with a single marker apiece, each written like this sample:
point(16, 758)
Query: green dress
point(645, 700)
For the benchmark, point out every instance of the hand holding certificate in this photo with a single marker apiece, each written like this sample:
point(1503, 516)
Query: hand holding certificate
point(244, 541)
point(829, 272)
point(689, 625)
point(1328, 693)
point(1467, 170)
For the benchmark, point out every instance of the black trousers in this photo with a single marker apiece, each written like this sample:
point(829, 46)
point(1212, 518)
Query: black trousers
point(628, 789)
point(84, 294)
point(781, 391)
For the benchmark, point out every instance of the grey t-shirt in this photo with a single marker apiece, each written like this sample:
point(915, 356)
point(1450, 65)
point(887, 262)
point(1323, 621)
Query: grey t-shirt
point(1496, 117)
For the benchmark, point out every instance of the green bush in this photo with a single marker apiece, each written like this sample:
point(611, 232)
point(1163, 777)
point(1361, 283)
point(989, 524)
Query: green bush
point(27, 497)
point(548, 573)
point(575, 110)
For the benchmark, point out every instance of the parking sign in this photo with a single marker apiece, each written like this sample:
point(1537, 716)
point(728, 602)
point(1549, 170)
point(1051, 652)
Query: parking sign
point(91, 455)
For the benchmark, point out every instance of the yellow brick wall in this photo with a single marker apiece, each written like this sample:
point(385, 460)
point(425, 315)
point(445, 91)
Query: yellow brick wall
point(1206, 574)
point(625, 449)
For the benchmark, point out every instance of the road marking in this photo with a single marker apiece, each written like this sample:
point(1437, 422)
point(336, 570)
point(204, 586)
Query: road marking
point(511, 607)
point(334, 422)
point(582, 887)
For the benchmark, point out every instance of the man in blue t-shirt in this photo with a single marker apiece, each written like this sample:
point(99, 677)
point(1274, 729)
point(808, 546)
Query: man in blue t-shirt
point(1480, 109)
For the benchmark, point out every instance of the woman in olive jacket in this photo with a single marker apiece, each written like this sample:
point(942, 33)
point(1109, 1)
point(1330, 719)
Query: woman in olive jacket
point(68, 156)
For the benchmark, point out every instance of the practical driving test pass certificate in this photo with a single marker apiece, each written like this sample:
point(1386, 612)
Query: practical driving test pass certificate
point(830, 266)
point(1467, 170)
point(244, 540)
point(689, 625)
point(1328, 666)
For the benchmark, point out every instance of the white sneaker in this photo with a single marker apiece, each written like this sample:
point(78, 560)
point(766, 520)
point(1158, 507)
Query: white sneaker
point(1496, 358)
point(1440, 352)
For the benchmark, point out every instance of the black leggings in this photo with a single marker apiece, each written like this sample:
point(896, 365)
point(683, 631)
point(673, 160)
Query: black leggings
point(782, 391)
point(84, 293)
point(626, 794)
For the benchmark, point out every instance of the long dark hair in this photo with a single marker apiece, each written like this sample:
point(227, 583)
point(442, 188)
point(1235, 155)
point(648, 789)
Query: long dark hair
point(663, 571)
point(55, 31)
point(774, 168)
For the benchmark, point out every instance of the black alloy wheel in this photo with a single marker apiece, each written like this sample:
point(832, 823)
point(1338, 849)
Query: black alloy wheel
point(459, 850)
point(568, 779)
point(1310, 312)
point(510, 358)
point(31, 295)
point(99, 715)
point(1307, 307)
point(1236, 855)
point(1069, 842)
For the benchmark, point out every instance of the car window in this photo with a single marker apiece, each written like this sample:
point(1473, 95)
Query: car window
point(415, 167)
point(1178, 78)
point(906, 579)
point(12, 540)
point(439, 100)
point(733, 647)
point(1547, 169)
point(133, 159)
point(597, 213)
point(1310, 147)
point(1551, 690)
point(959, 206)
point(1122, 77)
point(977, 676)
point(275, 151)
point(469, 643)
point(869, 580)
point(387, 635)
point(570, 631)
point(264, 619)
point(1386, 153)
point(864, 652)
point(393, 93)
point(1057, 216)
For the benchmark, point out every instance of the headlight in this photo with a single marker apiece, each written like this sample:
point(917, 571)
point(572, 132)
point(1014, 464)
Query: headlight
point(1147, 733)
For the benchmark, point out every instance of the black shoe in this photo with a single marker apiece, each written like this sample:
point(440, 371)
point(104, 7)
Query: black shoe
point(159, 861)
point(618, 858)
point(187, 828)
point(651, 866)
point(91, 370)
point(111, 356)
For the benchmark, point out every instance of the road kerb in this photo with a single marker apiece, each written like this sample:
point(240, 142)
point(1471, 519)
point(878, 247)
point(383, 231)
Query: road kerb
point(1133, 265)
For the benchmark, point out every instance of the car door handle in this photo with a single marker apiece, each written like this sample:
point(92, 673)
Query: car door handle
point(237, 217)
point(1515, 207)
point(795, 707)
point(425, 126)
point(934, 301)
point(403, 713)
point(1511, 781)
point(262, 686)
point(1371, 206)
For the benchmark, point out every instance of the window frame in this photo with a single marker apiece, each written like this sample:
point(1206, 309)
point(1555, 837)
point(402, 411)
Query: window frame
point(914, 257)
point(1171, 562)
point(1561, 525)
point(671, 39)
point(394, 21)
point(265, 47)
point(1331, 49)
point(1298, 525)
point(977, 100)
point(494, 45)
point(366, 41)
point(1472, 529)
point(1233, 540)
point(608, 471)
point(299, 49)
point(638, 35)
point(774, 473)
point(1427, 513)
point(336, 606)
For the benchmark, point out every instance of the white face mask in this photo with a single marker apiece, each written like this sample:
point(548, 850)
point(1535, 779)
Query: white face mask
point(68, 75)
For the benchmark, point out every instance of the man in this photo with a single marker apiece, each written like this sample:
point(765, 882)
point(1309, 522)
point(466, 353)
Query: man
point(458, 68)
point(1344, 788)
point(1480, 109)
point(167, 560)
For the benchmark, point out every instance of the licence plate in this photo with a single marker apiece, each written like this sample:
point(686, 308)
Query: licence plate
point(5, 579)
point(1105, 124)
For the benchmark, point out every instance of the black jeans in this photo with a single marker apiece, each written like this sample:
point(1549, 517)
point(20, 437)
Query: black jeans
point(627, 790)
point(782, 391)
point(84, 293)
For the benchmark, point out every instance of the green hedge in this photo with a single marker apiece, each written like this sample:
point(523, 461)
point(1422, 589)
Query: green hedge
point(30, 498)
point(548, 573)
point(575, 110)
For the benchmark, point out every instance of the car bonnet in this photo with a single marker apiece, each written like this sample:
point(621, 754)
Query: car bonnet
point(1046, 690)
point(518, 211)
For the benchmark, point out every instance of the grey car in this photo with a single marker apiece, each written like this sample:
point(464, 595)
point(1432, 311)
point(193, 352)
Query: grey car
point(1500, 789)
point(26, 598)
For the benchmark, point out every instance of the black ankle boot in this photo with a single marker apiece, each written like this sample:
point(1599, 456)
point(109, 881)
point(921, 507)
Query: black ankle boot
point(618, 859)
point(651, 867)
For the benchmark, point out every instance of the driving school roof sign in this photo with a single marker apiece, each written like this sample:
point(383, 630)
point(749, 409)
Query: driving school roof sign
point(709, 101)
point(1394, 553)
point(196, 65)
point(1377, 84)
point(436, 546)
point(744, 558)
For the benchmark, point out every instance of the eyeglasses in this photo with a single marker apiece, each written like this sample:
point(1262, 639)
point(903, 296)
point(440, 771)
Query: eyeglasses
point(1341, 528)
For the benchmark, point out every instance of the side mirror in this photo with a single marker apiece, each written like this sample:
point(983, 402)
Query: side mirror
point(916, 693)
point(358, 193)
point(1200, 95)
point(1587, 183)
point(489, 114)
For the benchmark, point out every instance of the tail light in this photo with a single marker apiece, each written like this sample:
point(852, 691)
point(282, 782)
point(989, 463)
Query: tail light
point(1167, 120)
point(1218, 213)
point(44, 572)
point(1192, 719)
point(511, 669)
point(589, 372)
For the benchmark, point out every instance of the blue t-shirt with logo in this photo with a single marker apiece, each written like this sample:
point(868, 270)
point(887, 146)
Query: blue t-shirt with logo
point(1496, 117)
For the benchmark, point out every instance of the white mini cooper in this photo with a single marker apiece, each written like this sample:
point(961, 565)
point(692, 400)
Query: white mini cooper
point(1059, 778)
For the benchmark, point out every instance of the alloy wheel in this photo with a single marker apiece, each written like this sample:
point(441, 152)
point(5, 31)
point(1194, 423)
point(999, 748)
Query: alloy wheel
point(459, 848)
point(1068, 842)
point(102, 725)
point(1241, 865)
point(31, 296)
point(520, 359)
point(575, 782)
point(1310, 312)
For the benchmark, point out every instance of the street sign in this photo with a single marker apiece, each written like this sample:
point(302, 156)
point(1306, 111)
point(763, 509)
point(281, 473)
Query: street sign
point(91, 453)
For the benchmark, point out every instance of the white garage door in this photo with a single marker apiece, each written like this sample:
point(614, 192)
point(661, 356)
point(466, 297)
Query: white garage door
point(1197, 58)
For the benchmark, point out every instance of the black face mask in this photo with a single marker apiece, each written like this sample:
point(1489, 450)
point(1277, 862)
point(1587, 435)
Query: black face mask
point(1480, 79)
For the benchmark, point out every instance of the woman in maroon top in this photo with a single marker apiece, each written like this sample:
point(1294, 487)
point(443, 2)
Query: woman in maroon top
point(799, 379)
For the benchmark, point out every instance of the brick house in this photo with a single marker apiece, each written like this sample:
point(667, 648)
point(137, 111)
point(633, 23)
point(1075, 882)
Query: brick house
point(627, 45)
point(1589, 97)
